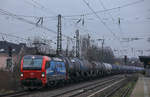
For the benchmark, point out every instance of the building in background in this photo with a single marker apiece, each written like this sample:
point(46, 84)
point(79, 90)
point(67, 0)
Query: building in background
point(146, 61)
point(9, 51)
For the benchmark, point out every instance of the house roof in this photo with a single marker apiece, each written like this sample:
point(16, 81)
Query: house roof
point(145, 59)
point(5, 46)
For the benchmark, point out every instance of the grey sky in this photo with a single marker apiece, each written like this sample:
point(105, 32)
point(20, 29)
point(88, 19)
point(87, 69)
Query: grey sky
point(135, 21)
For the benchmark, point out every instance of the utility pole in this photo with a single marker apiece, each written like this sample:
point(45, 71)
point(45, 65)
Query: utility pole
point(59, 36)
point(102, 48)
point(9, 59)
point(77, 43)
point(88, 45)
point(125, 59)
point(67, 47)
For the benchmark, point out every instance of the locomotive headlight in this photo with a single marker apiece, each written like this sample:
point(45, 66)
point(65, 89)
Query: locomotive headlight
point(43, 75)
point(21, 74)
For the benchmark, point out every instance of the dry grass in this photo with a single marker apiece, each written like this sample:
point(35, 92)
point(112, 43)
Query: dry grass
point(7, 82)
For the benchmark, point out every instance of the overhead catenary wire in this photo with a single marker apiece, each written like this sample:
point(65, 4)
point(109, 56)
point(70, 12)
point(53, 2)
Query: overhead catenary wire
point(105, 10)
point(36, 5)
point(101, 21)
point(43, 7)
point(64, 16)
point(30, 22)
point(27, 21)
point(21, 38)
point(39, 6)
point(78, 15)
point(78, 27)
point(119, 26)
point(51, 17)
point(15, 15)
point(40, 26)
point(13, 36)
point(54, 17)
point(31, 16)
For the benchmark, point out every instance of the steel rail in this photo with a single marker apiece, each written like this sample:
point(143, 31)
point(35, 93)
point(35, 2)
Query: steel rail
point(85, 88)
point(15, 94)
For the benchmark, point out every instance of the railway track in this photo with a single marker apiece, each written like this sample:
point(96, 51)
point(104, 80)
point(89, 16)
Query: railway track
point(97, 92)
point(125, 93)
point(120, 90)
point(67, 91)
point(15, 94)
point(110, 92)
point(83, 90)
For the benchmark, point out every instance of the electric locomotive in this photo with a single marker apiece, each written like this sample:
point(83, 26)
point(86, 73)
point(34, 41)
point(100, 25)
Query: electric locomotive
point(33, 70)
point(41, 71)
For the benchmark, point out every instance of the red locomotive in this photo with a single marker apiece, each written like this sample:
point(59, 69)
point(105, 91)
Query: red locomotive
point(33, 70)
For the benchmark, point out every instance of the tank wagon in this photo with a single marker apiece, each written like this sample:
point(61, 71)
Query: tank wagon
point(41, 71)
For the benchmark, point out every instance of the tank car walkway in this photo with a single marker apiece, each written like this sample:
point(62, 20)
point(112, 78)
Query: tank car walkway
point(142, 88)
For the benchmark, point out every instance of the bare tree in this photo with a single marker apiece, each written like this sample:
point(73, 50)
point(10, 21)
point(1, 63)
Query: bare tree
point(42, 45)
point(91, 52)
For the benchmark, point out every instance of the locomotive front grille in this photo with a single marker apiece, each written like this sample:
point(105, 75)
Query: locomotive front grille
point(32, 82)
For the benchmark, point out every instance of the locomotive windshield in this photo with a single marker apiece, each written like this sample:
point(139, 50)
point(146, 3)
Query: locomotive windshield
point(32, 63)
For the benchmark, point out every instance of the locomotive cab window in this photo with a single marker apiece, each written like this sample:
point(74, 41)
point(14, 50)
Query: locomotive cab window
point(32, 63)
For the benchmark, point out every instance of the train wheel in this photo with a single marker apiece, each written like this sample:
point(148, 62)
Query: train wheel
point(31, 89)
point(52, 84)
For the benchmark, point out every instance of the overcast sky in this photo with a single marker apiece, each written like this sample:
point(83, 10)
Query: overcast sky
point(134, 21)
